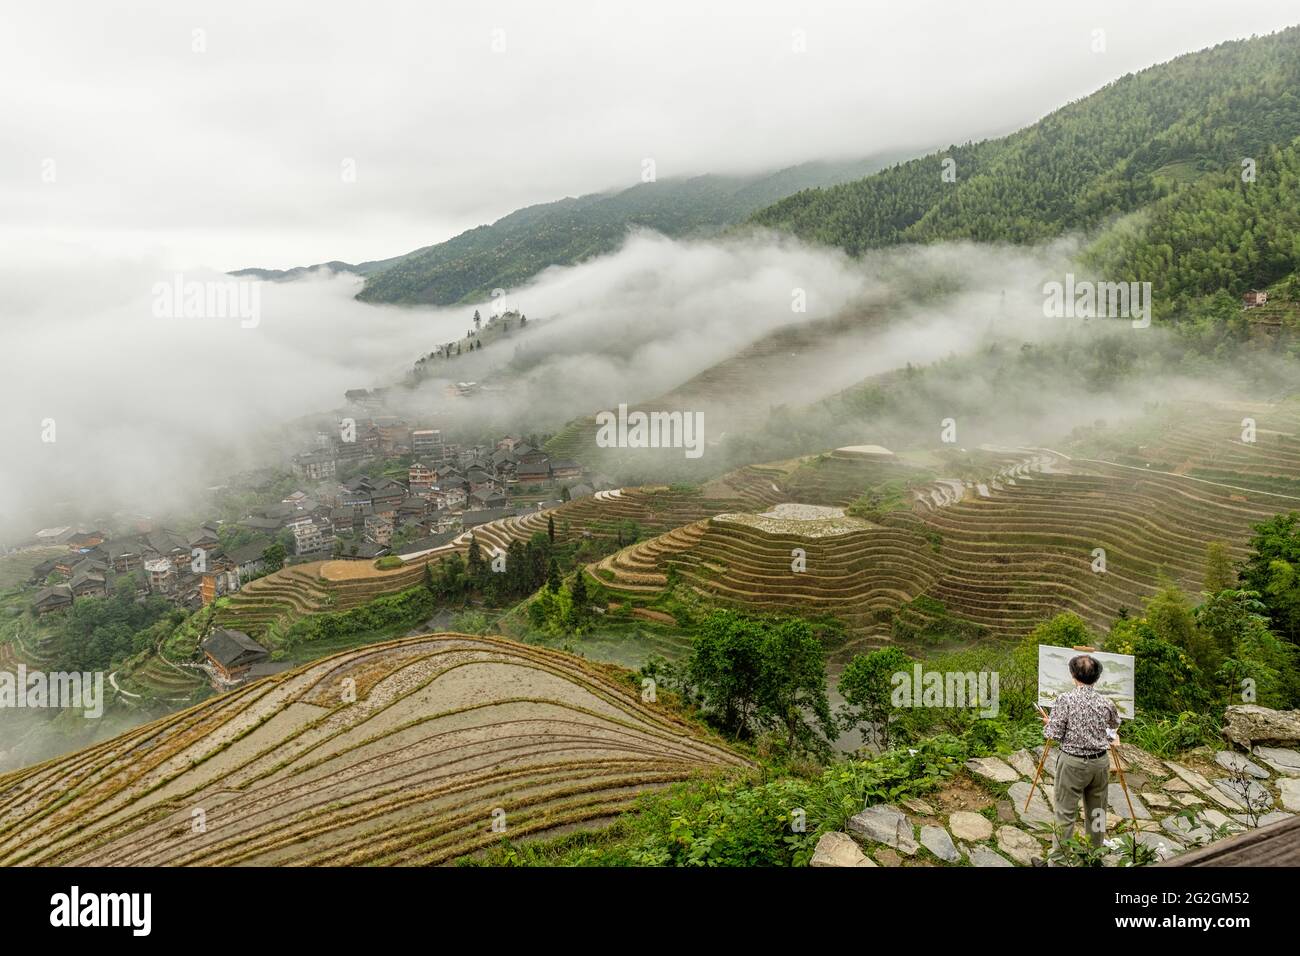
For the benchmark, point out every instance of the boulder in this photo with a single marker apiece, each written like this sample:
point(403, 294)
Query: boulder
point(884, 824)
point(1019, 845)
point(991, 768)
point(1249, 724)
point(917, 805)
point(838, 849)
point(970, 826)
point(1235, 763)
point(1282, 760)
point(983, 856)
point(938, 842)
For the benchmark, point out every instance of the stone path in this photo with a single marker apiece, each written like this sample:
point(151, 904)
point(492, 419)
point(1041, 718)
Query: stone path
point(1007, 833)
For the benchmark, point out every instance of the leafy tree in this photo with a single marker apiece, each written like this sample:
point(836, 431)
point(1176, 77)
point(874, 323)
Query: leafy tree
point(794, 685)
point(579, 591)
point(726, 668)
point(1172, 620)
point(273, 557)
point(1270, 570)
point(754, 673)
point(867, 688)
point(1219, 574)
point(476, 567)
point(1166, 678)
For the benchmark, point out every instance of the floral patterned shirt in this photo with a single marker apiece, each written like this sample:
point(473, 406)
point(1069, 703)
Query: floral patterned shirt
point(1080, 720)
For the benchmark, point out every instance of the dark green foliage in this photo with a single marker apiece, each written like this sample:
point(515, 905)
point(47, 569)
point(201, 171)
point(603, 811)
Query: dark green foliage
point(517, 247)
point(1273, 571)
point(1219, 234)
point(273, 557)
point(1140, 138)
point(389, 614)
point(96, 633)
point(755, 673)
point(738, 823)
point(866, 686)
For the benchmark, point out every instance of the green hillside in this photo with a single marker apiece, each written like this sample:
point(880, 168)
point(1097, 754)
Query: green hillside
point(517, 247)
point(1218, 234)
point(1142, 138)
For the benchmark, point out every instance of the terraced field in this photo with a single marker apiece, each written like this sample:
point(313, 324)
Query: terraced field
point(155, 679)
point(1002, 554)
point(444, 736)
point(1251, 444)
point(278, 599)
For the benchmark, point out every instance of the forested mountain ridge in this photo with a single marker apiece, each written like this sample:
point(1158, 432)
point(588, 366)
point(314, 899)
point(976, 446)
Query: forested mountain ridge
point(1140, 138)
point(518, 246)
point(1220, 234)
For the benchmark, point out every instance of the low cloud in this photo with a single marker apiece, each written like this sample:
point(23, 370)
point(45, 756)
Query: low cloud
point(148, 412)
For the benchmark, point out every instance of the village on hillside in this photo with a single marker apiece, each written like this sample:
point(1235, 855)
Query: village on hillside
point(378, 485)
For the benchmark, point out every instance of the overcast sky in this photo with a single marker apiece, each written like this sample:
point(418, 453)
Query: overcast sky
point(126, 133)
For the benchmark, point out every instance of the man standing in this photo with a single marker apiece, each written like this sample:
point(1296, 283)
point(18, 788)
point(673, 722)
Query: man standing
point(1085, 724)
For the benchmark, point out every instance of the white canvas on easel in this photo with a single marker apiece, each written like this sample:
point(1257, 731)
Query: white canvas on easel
point(1116, 680)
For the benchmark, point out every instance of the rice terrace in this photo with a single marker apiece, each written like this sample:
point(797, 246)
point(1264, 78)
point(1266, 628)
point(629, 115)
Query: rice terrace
point(685, 437)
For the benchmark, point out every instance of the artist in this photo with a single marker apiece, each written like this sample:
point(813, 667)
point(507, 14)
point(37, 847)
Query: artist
point(1085, 724)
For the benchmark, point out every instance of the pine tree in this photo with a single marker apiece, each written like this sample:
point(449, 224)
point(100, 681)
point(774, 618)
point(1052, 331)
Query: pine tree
point(553, 577)
point(475, 564)
point(579, 591)
point(550, 528)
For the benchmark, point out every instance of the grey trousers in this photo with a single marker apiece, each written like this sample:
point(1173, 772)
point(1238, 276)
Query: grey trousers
point(1079, 779)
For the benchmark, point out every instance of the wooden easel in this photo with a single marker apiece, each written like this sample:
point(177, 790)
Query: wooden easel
point(1119, 768)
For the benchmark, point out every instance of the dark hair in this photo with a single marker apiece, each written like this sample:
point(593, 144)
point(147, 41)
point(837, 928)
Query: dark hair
point(1085, 669)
